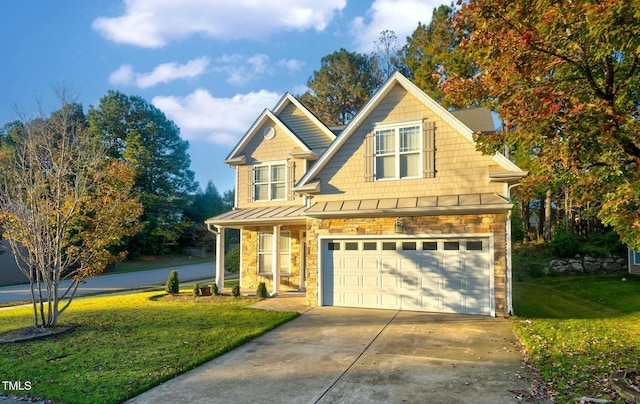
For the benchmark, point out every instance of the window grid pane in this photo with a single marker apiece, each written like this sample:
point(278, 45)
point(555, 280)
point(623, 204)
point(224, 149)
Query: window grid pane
point(385, 141)
point(409, 138)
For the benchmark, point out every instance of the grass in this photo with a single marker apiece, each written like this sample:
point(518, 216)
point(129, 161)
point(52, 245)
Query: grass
point(116, 354)
point(578, 329)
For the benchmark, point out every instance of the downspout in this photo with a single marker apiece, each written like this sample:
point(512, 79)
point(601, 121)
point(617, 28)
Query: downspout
point(509, 254)
point(219, 232)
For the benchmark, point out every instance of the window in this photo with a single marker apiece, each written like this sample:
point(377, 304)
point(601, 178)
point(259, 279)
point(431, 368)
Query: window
point(265, 253)
point(474, 245)
point(451, 245)
point(351, 246)
point(398, 151)
point(389, 245)
point(636, 257)
point(269, 182)
point(408, 245)
point(370, 246)
point(430, 245)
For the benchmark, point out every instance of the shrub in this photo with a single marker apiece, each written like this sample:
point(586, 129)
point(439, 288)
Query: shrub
point(262, 291)
point(196, 289)
point(236, 291)
point(565, 244)
point(173, 284)
point(232, 260)
point(602, 244)
point(214, 288)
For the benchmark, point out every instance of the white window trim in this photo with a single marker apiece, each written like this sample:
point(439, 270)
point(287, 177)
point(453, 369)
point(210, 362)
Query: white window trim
point(269, 183)
point(285, 254)
point(396, 126)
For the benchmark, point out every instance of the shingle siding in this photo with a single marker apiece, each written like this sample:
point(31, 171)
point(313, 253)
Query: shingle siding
point(306, 130)
point(460, 168)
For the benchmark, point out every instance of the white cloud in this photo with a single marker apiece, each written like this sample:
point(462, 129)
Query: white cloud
point(124, 75)
point(399, 16)
point(292, 65)
point(164, 73)
point(222, 121)
point(154, 23)
point(242, 69)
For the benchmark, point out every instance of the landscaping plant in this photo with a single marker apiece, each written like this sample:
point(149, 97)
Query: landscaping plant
point(261, 292)
point(173, 284)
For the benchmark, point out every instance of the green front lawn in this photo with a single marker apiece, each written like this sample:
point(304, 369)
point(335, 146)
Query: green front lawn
point(579, 329)
point(126, 344)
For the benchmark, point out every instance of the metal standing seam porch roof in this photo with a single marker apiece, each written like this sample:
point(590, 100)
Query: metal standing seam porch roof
point(428, 205)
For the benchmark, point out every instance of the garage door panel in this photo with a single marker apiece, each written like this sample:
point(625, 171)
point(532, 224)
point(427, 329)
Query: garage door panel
point(351, 281)
point(371, 281)
point(394, 275)
point(351, 263)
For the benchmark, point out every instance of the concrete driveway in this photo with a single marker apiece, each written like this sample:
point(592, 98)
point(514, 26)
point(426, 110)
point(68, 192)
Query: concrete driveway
point(341, 355)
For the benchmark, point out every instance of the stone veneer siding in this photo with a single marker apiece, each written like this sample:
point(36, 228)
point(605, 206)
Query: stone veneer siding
point(250, 279)
point(416, 225)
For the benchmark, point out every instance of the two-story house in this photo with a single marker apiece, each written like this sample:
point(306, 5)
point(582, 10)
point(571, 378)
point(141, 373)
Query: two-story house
point(398, 210)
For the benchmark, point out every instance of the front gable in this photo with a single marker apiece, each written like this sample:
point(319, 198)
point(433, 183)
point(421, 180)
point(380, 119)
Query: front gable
point(403, 144)
point(275, 153)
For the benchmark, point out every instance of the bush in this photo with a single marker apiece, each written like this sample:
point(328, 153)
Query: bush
point(214, 288)
point(232, 260)
point(565, 244)
point(173, 284)
point(262, 291)
point(196, 289)
point(602, 244)
point(236, 291)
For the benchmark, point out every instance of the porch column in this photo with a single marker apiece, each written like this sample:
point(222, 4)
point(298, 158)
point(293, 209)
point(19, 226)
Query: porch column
point(275, 260)
point(220, 258)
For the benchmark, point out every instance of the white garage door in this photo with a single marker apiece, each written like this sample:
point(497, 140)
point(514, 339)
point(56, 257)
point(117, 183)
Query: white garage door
point(444, 275)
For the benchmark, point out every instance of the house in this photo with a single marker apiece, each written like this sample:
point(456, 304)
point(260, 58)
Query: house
point(396, 211)
point(634, 261)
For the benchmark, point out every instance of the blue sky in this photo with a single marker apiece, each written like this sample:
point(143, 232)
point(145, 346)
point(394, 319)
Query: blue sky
point(212, 66)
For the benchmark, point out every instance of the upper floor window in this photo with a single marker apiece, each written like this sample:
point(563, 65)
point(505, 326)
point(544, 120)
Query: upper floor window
point(398, 151)
point(269, 182)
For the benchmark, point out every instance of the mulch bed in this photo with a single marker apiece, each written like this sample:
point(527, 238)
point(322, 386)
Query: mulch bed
point(32, 333)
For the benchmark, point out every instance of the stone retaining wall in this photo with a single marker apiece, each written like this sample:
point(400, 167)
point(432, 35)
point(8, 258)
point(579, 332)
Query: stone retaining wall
point(586, 264)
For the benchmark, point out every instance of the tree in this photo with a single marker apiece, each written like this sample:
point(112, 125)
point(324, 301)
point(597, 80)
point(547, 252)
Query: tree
point(140, 135)
point(564, 76)
point(337, 91)
point(387, 57)
point(432, 55)
point(65, 207)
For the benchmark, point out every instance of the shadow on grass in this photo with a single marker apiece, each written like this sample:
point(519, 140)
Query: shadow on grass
point(578, 296)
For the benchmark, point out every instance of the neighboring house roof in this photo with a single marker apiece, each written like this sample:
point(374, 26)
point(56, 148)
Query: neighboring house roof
point(399, 79)
point(477, 119)
point(297, 122)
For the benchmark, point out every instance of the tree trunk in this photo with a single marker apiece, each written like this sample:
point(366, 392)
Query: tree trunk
point(547, 216)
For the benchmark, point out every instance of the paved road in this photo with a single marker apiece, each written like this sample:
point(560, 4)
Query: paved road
point(118, 282)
